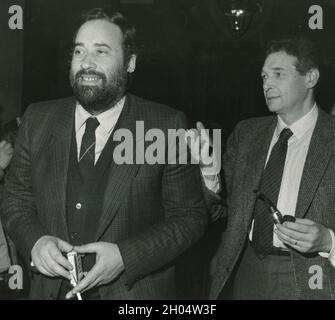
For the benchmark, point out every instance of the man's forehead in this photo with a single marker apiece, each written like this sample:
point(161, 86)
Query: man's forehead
point(280, 61)
point(99, 31)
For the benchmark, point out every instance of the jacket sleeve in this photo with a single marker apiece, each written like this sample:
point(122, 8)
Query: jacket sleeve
point(184, 223)
point(18, 207)
point(217, 203)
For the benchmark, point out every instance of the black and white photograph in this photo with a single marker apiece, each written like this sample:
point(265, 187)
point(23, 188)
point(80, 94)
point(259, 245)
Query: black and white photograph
point(167, 150)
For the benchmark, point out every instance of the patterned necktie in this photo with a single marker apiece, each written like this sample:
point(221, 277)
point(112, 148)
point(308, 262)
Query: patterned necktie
point(87, 149)
point(262, 239)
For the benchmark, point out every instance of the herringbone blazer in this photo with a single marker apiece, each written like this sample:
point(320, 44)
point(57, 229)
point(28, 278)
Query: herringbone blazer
point(243, 163)
point(153, 212)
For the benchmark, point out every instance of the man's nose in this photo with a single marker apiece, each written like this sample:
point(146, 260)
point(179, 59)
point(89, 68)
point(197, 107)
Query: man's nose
point(88, 63)
point(267, 85)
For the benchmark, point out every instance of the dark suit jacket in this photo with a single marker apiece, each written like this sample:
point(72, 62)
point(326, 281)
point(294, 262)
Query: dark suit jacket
point(243, 164)
point(153, 212)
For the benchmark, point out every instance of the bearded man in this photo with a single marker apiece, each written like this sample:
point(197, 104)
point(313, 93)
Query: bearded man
point(64, 192)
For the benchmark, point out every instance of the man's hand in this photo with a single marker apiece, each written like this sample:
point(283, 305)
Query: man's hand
point(305, 236)
point(48, 259)
point(199, 144)
point(109, 265)
point(6, 153)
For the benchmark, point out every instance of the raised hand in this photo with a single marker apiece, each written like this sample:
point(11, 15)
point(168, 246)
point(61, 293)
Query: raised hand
point(200, 144)
point(6, 153)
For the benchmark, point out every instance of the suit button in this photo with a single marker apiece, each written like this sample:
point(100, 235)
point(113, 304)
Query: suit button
point(75, 236)
point(78, 206)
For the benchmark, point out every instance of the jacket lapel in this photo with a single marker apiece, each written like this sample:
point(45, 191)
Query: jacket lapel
point(120, 175)
point(318, 157)
point(255, 164)
point(58, 153)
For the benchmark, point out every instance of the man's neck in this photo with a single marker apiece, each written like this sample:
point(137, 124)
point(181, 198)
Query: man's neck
point(291, 117)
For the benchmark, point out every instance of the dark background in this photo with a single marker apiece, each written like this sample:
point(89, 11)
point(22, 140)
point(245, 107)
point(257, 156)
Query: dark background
point(189, 60)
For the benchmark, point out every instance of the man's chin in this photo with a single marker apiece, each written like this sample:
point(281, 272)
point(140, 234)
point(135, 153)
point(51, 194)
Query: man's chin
point(273, 106)
point(91, 89)
point(87, 95)
point(94, 105)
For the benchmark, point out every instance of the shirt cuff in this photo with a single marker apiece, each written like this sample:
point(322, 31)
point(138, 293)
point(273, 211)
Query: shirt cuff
point(212, 182)
point(331, 255)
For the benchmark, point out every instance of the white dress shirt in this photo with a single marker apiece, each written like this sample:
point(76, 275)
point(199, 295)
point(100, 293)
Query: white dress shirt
point(297, 148)
point(107, 120)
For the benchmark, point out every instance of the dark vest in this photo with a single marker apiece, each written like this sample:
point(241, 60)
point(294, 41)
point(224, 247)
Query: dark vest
point(85, 198)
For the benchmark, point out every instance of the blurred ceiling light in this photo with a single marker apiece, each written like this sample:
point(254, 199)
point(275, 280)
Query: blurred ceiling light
point(239, 14)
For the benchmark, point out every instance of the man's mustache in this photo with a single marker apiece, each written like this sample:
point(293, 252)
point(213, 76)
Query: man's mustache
point(82, 73)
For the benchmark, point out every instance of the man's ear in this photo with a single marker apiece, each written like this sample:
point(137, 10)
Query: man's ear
point(132, 63)
point(312, 78)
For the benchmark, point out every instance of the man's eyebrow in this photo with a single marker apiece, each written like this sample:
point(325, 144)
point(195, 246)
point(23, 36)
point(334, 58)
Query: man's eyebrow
point(80, 44)
point(103, 45)
point(278, 68)
point(273, 69)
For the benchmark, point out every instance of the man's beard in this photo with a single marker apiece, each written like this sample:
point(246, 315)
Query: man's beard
point(100, 97)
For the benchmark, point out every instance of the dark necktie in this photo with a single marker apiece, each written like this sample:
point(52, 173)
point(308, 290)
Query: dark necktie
point(262, 238)
point(87, 149)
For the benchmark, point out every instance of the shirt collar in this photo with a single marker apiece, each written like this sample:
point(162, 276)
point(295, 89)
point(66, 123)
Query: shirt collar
point(107, 119)
point(300, 127)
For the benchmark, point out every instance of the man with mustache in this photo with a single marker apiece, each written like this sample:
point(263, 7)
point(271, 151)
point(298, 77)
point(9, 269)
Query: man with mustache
point(64, 191)
point(289, 157)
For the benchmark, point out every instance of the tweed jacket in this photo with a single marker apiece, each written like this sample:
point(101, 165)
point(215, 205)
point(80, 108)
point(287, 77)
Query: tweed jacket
point(243, 163)
point(153, 212)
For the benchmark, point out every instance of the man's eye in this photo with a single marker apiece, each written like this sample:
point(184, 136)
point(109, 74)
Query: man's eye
point(102, 52)
point(77, 52)
point(278, 74)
